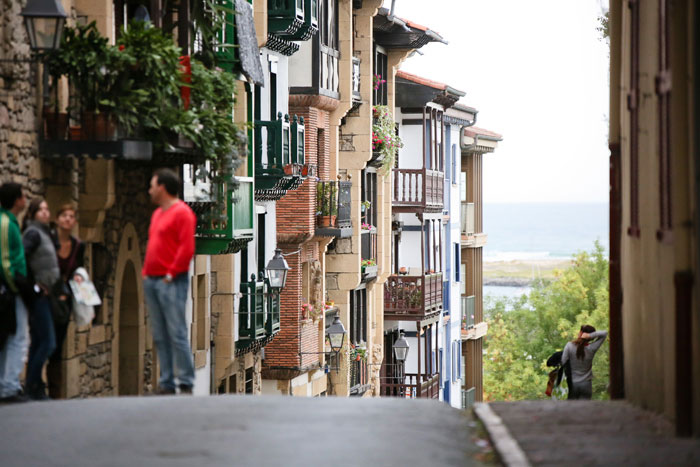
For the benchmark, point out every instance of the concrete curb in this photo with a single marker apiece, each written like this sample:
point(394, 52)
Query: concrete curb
point(507, 447)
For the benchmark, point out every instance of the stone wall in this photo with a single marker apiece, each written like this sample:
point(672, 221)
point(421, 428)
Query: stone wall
point(18, 103)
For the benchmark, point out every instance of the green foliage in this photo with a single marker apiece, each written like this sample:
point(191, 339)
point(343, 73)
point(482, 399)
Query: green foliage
point(384, 137)
point(524, 332)
point(326, 199)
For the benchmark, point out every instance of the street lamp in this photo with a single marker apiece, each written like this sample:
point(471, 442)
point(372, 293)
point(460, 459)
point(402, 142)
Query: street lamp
point(44, 20)
point(401, 348)
point(277, 270)
point(336, 334)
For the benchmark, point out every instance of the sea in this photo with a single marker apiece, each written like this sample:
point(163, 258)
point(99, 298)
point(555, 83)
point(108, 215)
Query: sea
point(530, 231)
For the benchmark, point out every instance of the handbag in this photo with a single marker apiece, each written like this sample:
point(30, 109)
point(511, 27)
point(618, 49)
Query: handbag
point(60, 307)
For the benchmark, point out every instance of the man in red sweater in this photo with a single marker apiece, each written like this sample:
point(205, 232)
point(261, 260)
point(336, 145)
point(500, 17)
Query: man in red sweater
point(168, 255)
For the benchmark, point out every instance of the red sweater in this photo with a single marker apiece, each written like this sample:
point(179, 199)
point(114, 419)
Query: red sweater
point(170, 241)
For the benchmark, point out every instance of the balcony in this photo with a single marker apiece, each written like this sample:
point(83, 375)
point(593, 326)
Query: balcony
point(468, 310)
point(259, 314)
point(418, 190)
point(412, 298)
point(279, 157)
point(409, 386)
point(467, 219)
point(333, 205)
point(468, 397)
point(359, 377)
point(368, 253)
point(294, 20)
point(225, 229)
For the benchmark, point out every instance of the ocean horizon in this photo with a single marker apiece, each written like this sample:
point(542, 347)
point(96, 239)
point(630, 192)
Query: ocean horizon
point(532, 231)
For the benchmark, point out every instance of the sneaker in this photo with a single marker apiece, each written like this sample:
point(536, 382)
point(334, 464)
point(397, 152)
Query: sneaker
point(164, 392)
point(184, 389)
point(14, 399)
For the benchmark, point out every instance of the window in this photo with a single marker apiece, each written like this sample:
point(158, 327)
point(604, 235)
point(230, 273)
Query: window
point(457, 262)
point(358, 316)
point(273, 90)
point(380, 68)
point(369, 193)
point(232, 384)
point(463, 187)
point(249, 380)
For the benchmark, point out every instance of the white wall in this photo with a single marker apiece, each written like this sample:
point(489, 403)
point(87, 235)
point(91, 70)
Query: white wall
point(300, 65)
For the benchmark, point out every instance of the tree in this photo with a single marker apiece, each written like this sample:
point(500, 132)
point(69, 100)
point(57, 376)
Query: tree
point(523, 333)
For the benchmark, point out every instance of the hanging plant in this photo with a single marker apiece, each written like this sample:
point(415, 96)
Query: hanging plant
point(385, 141)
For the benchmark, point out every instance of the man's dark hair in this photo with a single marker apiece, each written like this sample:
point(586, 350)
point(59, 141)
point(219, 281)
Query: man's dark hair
point(9, 193)
point(168, 178)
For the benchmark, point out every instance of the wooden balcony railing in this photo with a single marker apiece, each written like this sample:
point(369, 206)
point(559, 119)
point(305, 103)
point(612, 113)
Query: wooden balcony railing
point(429, 386)
point(418, 189)
point(258, 314)
point(329, 80)
point(412, 297)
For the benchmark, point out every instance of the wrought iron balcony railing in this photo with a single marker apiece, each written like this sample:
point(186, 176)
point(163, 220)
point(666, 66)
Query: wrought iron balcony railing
point(333, 206)
point(418, 190)
point(412, 297)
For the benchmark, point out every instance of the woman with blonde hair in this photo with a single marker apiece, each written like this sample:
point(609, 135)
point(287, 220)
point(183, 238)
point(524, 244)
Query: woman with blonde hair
point(579, 353)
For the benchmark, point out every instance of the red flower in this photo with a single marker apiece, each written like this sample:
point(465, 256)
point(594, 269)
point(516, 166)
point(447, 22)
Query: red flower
point(121, 47)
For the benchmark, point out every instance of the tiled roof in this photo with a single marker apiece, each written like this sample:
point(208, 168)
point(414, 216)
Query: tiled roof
point(475, 131)
point(424, 81)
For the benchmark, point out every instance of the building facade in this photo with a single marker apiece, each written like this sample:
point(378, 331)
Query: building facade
point(654, 320)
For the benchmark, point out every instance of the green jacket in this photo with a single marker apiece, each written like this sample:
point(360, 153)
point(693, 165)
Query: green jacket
point(12, 260)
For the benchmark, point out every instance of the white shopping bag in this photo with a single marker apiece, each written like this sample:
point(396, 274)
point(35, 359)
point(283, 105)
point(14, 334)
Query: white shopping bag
point(85, 297)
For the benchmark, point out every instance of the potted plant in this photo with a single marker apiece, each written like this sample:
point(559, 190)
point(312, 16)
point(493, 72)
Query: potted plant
point(306, 310)
point(327, 204)
point(369, 267)
point(385, 141)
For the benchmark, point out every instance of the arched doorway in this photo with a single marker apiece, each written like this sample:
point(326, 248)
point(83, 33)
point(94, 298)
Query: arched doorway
point(130, 360)
point(129, 337)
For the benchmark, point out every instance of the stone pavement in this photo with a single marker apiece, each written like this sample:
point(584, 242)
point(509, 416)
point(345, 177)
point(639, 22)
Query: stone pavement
point(235, 430)
point(585, 433)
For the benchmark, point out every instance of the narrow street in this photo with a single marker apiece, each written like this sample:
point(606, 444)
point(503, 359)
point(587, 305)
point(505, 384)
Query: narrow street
point(235, 430)
point(611, 433)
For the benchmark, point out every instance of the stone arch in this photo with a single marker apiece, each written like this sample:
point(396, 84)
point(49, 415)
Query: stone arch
point(129, 337)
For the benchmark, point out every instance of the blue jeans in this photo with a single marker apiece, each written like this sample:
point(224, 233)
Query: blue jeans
point(166, 310)
point(43, 343)
point(13, 353)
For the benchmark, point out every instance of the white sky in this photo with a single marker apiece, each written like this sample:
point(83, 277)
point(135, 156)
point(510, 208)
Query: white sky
point(538, 74)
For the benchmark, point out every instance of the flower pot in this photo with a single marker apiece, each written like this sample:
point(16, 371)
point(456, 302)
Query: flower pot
point(98, 126)
point(403, 270)
point(288, 169)
point(304, 170)
point(74, 133)
point(358, 358)
point(55, 124)
point(326, 221)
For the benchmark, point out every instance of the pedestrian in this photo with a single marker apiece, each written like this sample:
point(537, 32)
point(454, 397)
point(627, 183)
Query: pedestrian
point(13, 274)
point(40, 250)
point(168, 254)
point(70, 254)
point(579, 353)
